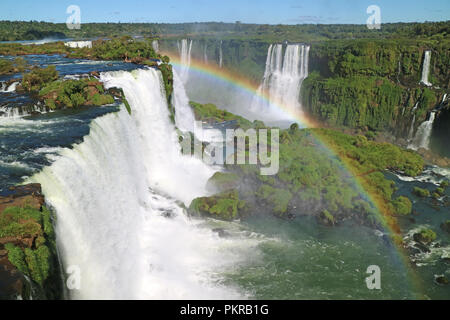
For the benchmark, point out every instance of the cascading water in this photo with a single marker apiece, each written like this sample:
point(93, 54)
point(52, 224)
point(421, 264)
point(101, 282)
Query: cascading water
point(423, 134)
point(282, 80)
point(184, 116)
point(115, 195)
point(10, 88)
point(220, 54)
point(413, 122)
point(184, 50)
point(205, 53)
point(78, 44)
point(426, 68)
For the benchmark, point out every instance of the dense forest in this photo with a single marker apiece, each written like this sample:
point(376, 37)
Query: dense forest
point(34, 30)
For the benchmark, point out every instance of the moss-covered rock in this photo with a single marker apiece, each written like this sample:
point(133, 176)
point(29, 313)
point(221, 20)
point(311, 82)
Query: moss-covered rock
point(27, 244)
point(223, 206)
point(420, 192)
point(425, 236)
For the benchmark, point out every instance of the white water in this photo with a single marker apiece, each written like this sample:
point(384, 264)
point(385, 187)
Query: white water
point(184, 116)
point(10, 88)
point(18, 112)
point(78, 44)
point(423, 134)
point(413, 122)
point(282, 81)
point(205, 53)
point(184, 50)
point(220, 55)
point(426, 68)
point(108, 193)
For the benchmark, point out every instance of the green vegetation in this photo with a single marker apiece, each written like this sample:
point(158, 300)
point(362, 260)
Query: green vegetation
point(326, 218)
point(39, 77)
point(32, 232)
point(425, 236)
point(22, 30)
point(402, 205)
point(371, 83)
point(74, 93)
point(211, 114)
point(124, 48)
point(223, 206)
point(311, 180)
point(423, 193)
point(12, 66)
point(57, 94)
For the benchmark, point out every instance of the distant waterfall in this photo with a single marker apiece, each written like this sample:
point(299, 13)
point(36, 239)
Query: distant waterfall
point(423, 134)
point(205, 53)
point(184, 116)
point(155, 45)
point(283, 79)
point(78, 44)
point(413, 122)
point(220, 55)
point(184, 49)
point(426, 68)
point(118, 221)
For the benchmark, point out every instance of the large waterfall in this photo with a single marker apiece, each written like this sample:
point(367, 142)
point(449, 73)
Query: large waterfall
point(116, 196)
point(426, 68)
point(423, 134)
point(285, 71)
point(184, 50)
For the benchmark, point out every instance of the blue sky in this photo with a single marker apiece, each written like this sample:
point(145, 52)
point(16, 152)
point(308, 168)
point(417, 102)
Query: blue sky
point(248, 11)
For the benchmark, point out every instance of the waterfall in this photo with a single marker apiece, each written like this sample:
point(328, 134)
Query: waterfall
point(220, 55)
point(184, 116)
point(184, 49)
point(426, 68)
point(413, 122)
point(205, 53)
point(283, 78)
point(115, 197)
point(78, 44)
point(423, 134)
point(10, 88)
point(155, 45)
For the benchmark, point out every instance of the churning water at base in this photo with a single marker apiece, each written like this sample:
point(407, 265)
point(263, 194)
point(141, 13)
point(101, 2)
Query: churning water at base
point(118, 218)
point(283, 77)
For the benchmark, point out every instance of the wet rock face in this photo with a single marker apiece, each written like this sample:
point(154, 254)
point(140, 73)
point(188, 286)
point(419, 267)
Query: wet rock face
point(13, 284)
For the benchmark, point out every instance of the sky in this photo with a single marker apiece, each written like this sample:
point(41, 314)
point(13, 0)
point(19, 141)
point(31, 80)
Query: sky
point(246, 11)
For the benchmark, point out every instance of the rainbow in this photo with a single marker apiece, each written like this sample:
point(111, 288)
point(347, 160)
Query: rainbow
point(238, 81)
